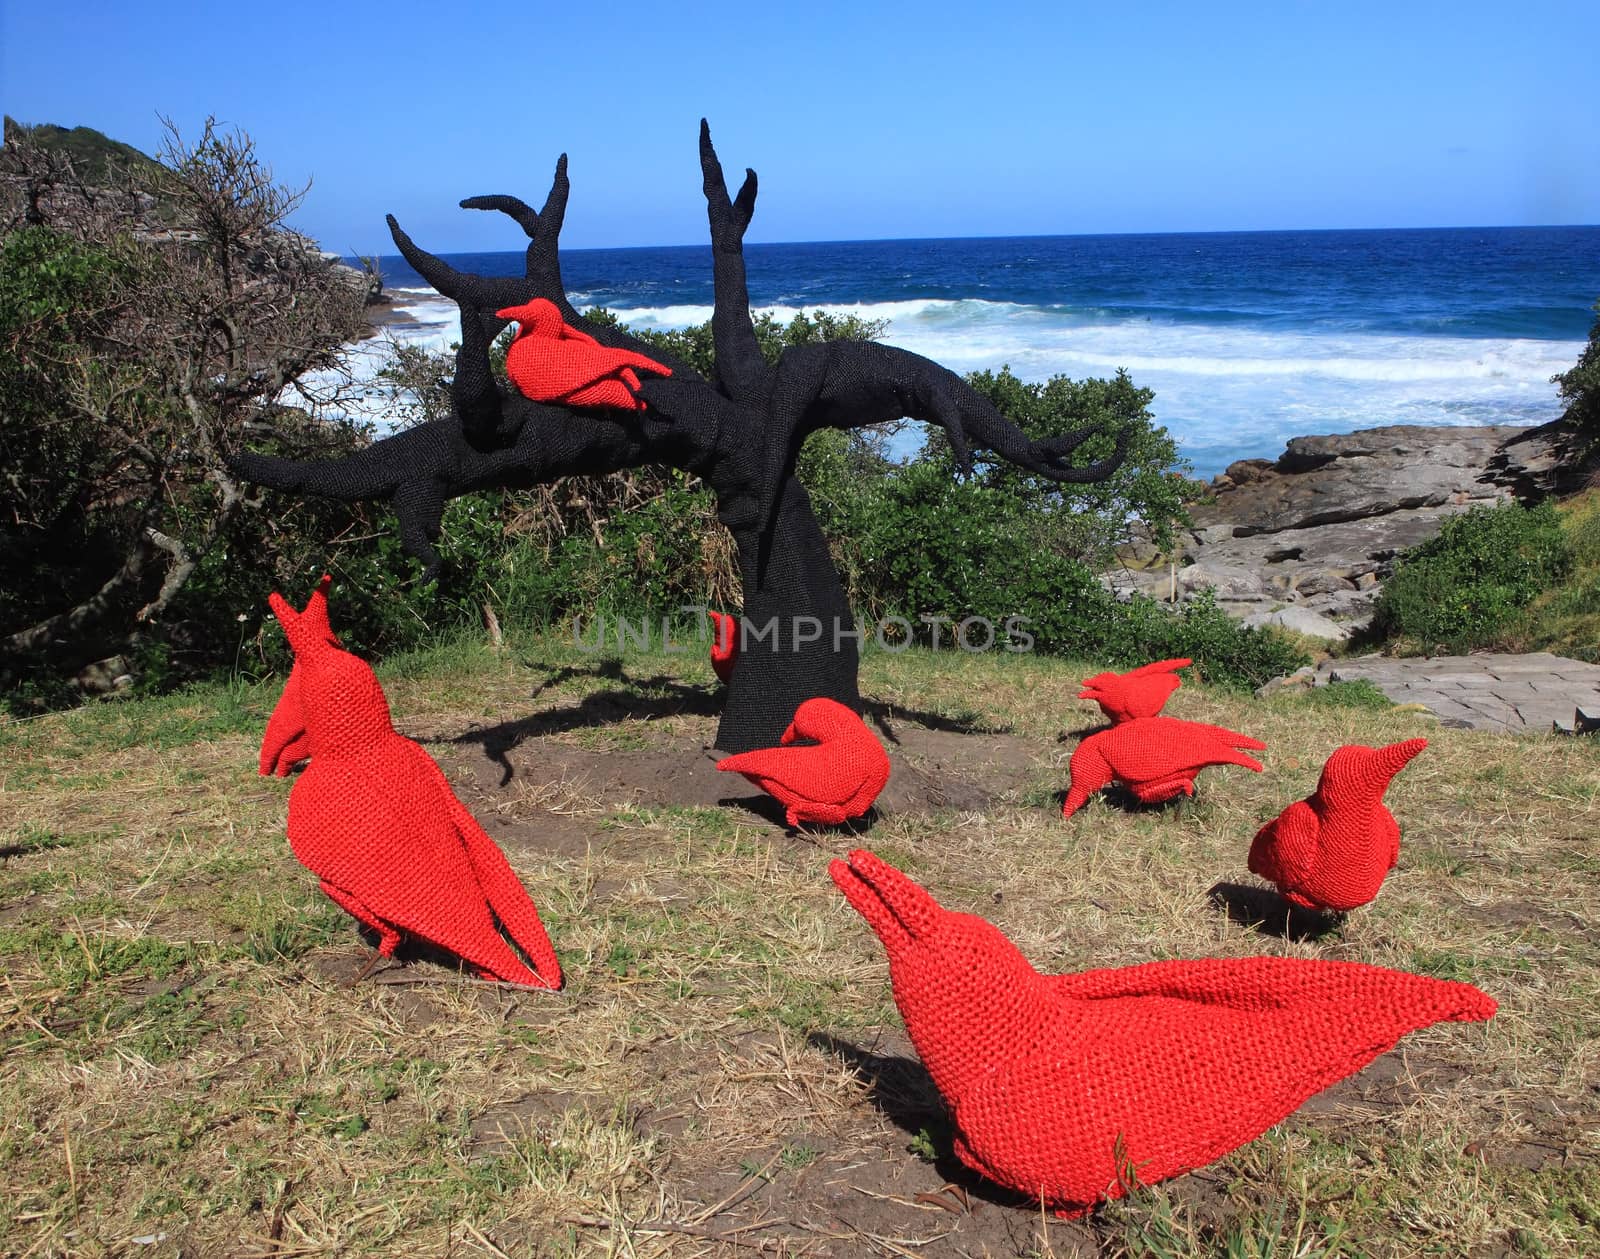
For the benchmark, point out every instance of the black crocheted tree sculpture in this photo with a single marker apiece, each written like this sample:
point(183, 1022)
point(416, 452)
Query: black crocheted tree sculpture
point(740, 434)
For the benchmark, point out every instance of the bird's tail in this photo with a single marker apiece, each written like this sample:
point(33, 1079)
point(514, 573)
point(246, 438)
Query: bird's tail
point(1159, 666)
point(1233, 739)
point(1231, 757)
point(511, 905)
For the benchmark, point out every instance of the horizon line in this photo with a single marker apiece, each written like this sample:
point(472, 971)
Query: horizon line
point(898, 240)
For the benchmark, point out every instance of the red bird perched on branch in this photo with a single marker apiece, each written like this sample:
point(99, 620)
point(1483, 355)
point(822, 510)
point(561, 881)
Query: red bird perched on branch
point(1157, 757)
point(724, 644)
point(1171, 1064)
point(285, 743)
point(1137, 693)
point(374, 818)
point(551, 361)
point(835, 779)
point(1333, 849)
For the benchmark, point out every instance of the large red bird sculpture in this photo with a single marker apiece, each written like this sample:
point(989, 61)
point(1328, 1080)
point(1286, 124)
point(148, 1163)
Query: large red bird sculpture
point(1156, 757)
point(374, 818)
point(1333, 849)
point(1049, 1078)
point(835, 778)
point(551, 361)
point(1137, 693)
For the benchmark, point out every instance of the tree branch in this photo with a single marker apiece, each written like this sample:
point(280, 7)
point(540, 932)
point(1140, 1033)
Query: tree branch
point(74, 621)
point(742, 371)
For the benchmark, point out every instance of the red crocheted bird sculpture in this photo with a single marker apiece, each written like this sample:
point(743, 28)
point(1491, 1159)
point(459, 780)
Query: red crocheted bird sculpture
point(374, 818)
point(724, 645)
point(1156, 757)
point(1137, 693)
point(285, 743)
point(1333, 849)
point(832, 780)
point(551, 361)
point(1174, 1063)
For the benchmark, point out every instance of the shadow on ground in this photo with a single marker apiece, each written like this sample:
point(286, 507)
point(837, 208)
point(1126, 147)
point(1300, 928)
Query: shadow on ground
point(1263, 910)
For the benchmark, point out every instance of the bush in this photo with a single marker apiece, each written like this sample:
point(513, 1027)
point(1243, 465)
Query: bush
point(1464, 587)
point(1580, 386)
point(133, 361)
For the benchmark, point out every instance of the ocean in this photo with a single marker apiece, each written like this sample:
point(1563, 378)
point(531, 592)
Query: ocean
point(1247, 338)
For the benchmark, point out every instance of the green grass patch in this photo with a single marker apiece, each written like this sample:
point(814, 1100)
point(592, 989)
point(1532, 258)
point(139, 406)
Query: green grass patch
point(1357, 694)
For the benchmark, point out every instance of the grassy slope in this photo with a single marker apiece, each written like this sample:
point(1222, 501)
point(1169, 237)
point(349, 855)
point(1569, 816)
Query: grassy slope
point(1566, 620)
point(96, 157)
point(179, 1057)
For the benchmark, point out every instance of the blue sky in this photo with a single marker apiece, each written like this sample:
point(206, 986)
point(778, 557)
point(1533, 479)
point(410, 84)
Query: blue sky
point(864, 120)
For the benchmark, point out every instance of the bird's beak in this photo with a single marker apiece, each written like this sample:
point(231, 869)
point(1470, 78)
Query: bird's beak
point(315, 612)
point(520, 314)
point(1396, 756)
point(896, 908)
point(303, 635)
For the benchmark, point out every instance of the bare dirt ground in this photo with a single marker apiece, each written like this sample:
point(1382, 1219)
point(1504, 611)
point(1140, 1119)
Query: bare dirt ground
point(725, 1072)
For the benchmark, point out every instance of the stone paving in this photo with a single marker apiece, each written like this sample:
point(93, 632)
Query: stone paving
point(1482, 692)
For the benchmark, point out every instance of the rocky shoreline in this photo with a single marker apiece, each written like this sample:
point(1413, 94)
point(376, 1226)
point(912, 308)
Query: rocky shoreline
point(1307, 540)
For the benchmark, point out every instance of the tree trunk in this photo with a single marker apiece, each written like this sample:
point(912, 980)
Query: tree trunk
point(797, 635)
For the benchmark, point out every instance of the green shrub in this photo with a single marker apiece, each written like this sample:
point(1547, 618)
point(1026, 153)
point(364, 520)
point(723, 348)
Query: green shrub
point(1566, 618)
point(1580, 385)
point(1464, 587)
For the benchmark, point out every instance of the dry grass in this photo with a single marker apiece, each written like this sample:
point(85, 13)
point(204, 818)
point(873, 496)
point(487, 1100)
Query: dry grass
point(184, 1073)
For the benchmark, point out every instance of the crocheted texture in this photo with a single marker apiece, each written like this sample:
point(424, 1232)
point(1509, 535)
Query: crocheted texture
point(286, 743)
point(551, 361)
point(1180, 1061)
point(373, 817)
point(740, 434)
point(835, 779)
point(1138, 693)
point(724, 645)
point(1155, 757)
point(1333, 849)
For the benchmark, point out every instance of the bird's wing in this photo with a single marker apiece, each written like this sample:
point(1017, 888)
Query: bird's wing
point(348, 830)
point(1134, 758)
point(284, 739)
point(1286, 849)
point(1391, 837)
point(814, 774)
point(406, 864)
point(1257, 984)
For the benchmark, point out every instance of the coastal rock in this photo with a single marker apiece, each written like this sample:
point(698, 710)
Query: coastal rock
point(1302, 679)
point(1354, 476)
point(1319, 528)
point(1302, 621)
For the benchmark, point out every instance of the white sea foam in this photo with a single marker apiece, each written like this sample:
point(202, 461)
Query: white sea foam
point(1225, 391)
point(356, 391)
